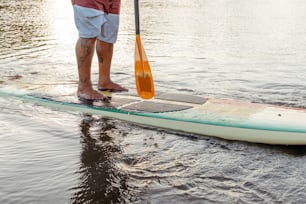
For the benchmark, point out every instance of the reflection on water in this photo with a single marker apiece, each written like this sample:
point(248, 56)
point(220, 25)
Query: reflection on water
point(101, 181)
point(23, 24)
point(35, 34)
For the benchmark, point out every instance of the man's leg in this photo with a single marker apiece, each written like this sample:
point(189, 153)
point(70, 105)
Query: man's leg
point(105, 55)
point(84, 53)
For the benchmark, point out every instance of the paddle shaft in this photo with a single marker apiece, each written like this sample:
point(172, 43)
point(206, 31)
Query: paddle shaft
point(136, 6)
point(137, 29)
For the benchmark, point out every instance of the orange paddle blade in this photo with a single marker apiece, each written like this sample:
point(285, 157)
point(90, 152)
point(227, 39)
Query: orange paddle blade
point(143, 75)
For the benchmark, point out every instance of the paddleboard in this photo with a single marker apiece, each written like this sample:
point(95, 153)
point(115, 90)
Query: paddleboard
point(223, 118)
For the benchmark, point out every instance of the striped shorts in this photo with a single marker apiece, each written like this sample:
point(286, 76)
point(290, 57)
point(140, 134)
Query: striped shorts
point(93, 23)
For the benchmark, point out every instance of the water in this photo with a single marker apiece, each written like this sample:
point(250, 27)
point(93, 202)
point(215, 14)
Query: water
point(249, 50)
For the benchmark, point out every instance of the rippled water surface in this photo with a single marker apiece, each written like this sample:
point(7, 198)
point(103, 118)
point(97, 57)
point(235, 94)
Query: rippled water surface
point(249, 50)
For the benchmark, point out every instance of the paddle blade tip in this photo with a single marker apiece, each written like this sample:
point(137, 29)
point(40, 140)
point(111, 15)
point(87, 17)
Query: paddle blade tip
point(145, 86)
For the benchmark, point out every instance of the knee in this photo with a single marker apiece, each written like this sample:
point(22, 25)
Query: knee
point(88, 42)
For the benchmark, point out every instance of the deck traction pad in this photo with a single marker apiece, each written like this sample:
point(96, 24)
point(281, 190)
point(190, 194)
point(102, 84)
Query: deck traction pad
point(185, 98)
point(155, 107)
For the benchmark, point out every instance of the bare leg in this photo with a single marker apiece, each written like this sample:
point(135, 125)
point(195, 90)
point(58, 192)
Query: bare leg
point(105, 55)
point(84, 53)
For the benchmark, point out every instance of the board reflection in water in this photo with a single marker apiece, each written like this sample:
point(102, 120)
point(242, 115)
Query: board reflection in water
point(101, 181)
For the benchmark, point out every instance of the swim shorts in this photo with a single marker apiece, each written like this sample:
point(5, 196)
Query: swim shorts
point(94, 23)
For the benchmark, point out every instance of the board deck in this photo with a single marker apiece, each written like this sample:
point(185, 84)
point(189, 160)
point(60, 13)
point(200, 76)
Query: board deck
point(223, 118)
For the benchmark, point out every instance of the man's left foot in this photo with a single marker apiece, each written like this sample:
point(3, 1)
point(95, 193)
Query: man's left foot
point(112, 87)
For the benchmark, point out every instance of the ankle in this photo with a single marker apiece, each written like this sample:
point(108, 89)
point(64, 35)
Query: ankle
point(104, 82)
point(85, 83)
point(84, 86)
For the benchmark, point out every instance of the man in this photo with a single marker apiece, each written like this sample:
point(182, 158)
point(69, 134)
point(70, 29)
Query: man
point(97, 22)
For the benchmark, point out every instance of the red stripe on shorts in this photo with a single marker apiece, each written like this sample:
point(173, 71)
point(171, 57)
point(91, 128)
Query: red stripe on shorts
point(107, 6)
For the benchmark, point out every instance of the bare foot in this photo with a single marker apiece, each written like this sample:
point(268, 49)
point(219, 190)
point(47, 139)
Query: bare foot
point(90, 94)
point(112, 86)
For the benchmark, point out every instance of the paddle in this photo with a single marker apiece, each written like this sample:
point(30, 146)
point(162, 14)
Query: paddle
point(143, 75)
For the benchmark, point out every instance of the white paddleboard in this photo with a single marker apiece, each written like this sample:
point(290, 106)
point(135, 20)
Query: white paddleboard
point(223, 118)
